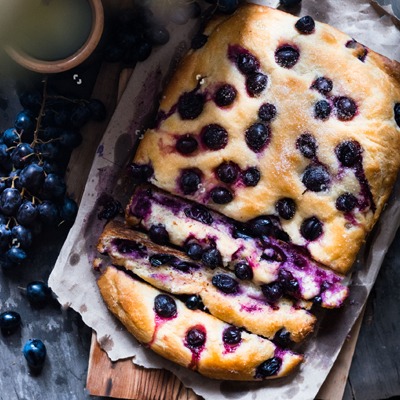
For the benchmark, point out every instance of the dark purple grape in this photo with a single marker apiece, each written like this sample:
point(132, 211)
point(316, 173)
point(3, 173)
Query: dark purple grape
point(31, 100)
point(311, 228)
point(51, 151)
point(228, 172)
point(21, 236)
point(32, 177)
point(52, 168)
point(183, 266)
point(25, 123)
point(51, 132)
point(16, 255)
point(396, 111)
point(80, 115)
point(38, 294)
point(288, 282)
point(110, 209)
point(225, 95)
point(10, 137)
point(232, 335)
point(98, 109)
point(272, 291)
point(261, 226)
point(14, 179)
point(27, 213)
point(251, 176)
point(214, 137)
point(349, 153)
point(221, 195)
point(282, 338)
point(257, 137)
point(141, 172)
point(269, 367)
point(307, 145)
point(323, 85)
point(243, 270)
point(305, 25)
point(70, 139)
point(195, 337)
point(5, 236)
point(48, 213)
point(131, 247)
point(316, 178)
point(68, 210)
point(158, 35)
point(199, 40)
point(22, 155)
point(194, 251)
point(225, 283)
point(35, 352)
point(61, 116)
point(53, 187)
point(10, 200)
point(346, 202)
point(165, 306)
point(287, 56)
point(199, 213)
point(267, 112)
point(159, 259)
point(193, 302)
point(143, 50)
point(158, 234)
point(211, 257)
point(190, 181)
point(345, 108)
point(186, 144)
point(228, 6)
point(3, 219)
point(10, 321)
point(190, 105)
point(256, 83)
point(247, 63)
point(5, 159)
point(286, 208)
point(322, 109)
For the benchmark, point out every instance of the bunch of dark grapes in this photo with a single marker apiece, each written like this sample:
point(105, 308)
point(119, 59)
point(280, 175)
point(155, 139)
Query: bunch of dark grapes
point(132, 34)
point(34, 154)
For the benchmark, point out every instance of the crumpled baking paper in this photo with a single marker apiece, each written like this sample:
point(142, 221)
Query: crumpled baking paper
point(74, 281)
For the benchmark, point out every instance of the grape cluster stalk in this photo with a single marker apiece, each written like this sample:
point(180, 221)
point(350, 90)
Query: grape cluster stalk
point(34, 154)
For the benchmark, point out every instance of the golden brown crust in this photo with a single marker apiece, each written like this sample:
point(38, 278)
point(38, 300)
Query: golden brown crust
point(372, 84)
point(247, 309)
point(124, 296)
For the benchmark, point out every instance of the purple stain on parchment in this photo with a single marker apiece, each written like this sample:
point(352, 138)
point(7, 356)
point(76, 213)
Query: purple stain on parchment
point(145, 109)
point(100, 150)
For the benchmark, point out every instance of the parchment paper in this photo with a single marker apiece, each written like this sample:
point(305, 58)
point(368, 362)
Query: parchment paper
point(74, 281)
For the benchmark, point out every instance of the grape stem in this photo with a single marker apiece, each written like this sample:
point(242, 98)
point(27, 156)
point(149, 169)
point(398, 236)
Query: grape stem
point(41, 113)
